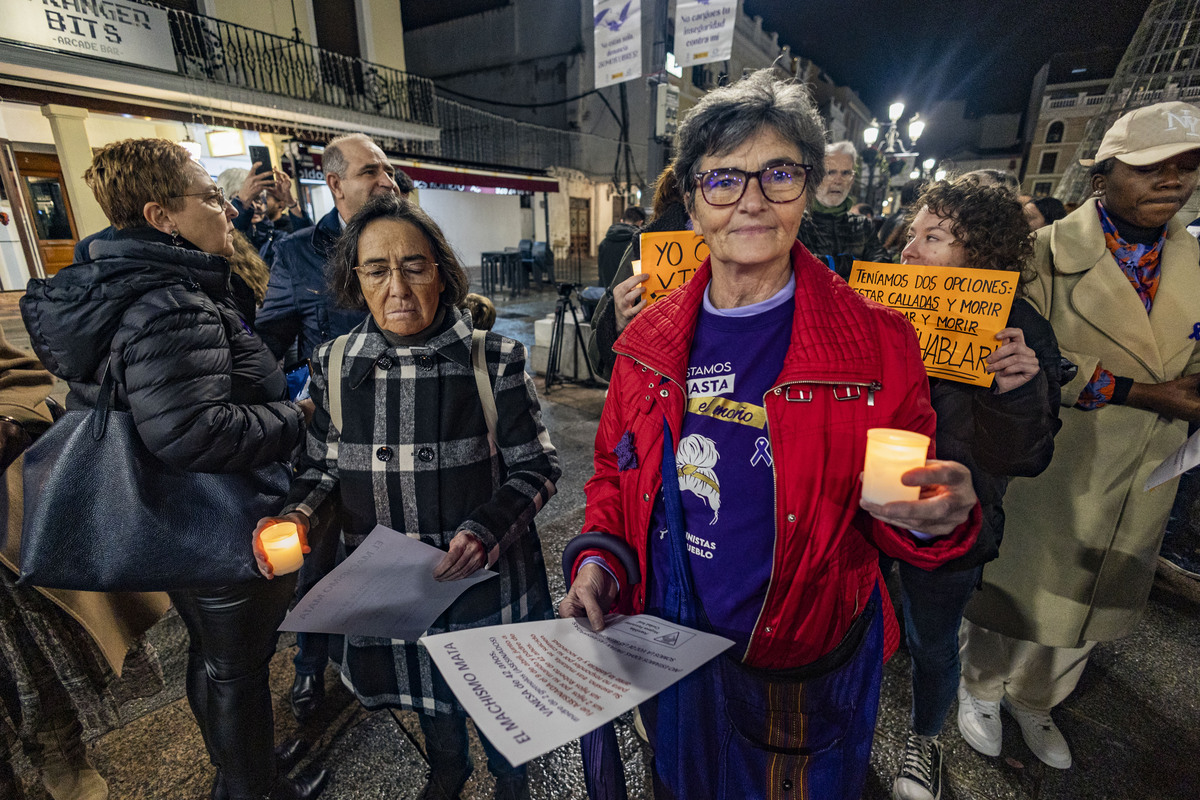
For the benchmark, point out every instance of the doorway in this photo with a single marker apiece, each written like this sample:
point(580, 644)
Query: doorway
point(49, 208)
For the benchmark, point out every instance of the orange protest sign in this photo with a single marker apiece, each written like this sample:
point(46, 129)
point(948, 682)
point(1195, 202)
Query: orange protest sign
point(670, 258)
point(956, 311)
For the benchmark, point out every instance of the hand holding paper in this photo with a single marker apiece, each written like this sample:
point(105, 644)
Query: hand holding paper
point(385, 588)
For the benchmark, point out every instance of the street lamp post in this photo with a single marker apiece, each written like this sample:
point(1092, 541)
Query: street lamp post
point(891, 142)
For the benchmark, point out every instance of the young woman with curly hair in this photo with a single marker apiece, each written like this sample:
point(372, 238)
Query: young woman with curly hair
point(999, 432)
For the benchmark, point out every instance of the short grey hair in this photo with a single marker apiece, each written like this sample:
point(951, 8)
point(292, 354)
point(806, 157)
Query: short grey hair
point(842, 148)
point(231, 180)
point(729, 116)
point(333, 160)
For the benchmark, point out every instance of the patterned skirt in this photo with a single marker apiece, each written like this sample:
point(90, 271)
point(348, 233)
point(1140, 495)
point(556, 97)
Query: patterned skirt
point(50, 670)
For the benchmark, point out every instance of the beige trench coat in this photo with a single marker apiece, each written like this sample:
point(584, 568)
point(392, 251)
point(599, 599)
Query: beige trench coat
point(1081, 540)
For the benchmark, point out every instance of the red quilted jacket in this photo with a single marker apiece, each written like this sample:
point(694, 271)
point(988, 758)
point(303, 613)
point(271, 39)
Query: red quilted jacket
point(851, 365)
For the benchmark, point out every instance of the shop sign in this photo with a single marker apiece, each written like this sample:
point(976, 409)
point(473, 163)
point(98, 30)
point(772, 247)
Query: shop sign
point(118, 31)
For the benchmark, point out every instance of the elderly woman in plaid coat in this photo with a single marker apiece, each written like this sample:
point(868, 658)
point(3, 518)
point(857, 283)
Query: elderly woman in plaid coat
point(414, 455)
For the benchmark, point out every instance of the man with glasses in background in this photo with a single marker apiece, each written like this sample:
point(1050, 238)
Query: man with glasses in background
point(829, 230)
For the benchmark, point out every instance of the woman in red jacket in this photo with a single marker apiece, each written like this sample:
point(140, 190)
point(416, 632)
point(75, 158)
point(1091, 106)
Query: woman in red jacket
point(729, 457)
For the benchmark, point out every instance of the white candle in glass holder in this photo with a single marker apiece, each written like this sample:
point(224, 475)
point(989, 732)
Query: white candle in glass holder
point(281, 541)
point(891, 453)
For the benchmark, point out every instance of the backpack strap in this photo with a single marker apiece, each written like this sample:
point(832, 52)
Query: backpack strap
point(337, 355)
point(483, 383)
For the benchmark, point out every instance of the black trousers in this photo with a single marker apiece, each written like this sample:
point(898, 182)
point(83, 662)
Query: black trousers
point(232, 636)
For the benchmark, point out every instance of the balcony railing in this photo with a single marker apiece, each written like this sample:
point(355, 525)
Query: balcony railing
point(210, 49)
point(472, 135)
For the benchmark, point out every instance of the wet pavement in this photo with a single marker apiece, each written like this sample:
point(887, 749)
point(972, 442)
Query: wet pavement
point(1134, 723)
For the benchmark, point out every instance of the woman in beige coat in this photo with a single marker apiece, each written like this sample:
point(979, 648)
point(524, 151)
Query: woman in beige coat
point(1119, 281)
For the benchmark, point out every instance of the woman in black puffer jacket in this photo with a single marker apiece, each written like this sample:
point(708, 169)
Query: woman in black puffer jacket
point(999, 432)
point(206, 395)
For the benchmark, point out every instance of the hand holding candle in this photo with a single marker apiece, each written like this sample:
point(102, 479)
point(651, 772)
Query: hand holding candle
point(891, 453)
point(945, 502)
point(280, 544)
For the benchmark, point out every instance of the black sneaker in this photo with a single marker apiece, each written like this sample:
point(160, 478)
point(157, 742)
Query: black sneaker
point(920, 775)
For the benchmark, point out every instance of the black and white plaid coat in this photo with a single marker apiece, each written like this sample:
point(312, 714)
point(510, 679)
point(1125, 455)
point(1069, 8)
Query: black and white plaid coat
point(414, 456)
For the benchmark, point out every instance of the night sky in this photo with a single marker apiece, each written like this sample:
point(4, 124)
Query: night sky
point(921, 52)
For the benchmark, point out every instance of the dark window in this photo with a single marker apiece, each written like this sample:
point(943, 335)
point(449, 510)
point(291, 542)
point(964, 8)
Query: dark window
point(1054, 133)
point(1047, 164)
point(700, 77)
point(419, 15)
point(1042, 189)
point(179, 5)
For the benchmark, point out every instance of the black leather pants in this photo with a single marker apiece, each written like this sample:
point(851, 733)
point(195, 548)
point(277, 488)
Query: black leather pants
point(232, 633)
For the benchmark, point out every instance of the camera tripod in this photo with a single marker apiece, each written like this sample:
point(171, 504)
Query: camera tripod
point(553, 374)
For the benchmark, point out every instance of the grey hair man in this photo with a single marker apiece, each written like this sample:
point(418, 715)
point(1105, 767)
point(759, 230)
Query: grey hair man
point(828, 230)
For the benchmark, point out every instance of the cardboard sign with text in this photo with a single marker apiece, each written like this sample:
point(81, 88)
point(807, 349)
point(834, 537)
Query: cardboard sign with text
point(956, 311)
point(670, 258)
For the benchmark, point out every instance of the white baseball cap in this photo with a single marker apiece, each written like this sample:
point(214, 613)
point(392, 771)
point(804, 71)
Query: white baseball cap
point(1150, 134)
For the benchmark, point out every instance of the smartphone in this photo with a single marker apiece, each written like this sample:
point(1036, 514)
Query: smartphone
point(263, 156)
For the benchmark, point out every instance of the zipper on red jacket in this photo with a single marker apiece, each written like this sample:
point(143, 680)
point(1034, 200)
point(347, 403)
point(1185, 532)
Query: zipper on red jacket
point(872, 387)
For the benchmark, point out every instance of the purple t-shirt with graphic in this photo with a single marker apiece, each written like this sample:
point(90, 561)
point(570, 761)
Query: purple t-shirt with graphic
point(725, 465)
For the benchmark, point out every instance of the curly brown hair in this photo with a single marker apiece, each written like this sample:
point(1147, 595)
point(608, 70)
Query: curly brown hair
point(988, 220)
point(128, 174)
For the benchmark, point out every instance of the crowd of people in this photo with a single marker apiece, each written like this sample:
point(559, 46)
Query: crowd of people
point(204, 298)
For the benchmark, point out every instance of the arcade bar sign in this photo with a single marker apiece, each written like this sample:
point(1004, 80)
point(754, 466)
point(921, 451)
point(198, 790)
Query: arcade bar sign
point(118, 31)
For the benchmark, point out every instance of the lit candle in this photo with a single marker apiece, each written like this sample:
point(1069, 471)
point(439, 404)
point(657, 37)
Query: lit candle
point(890, 454)
point(281, 542)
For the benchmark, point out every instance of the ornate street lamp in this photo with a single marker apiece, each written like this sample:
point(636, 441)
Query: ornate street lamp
point(891, 143)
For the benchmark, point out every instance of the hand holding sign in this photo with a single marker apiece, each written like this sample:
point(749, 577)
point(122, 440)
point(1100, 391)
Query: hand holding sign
point(670, 259)
point(958, 313)
point(1014, 363)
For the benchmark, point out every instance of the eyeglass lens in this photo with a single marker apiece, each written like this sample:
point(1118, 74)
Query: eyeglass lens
point(415, 273)
point(780, 184)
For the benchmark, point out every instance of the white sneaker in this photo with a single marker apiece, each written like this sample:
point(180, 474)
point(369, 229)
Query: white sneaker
point(1041, 734)
point(979, 722)
point(920, 775)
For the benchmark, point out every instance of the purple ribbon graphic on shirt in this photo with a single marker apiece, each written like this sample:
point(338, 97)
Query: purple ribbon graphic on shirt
point(762, 452)
point(1195, 332)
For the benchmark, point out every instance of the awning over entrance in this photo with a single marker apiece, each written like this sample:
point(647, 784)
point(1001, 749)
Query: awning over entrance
point(480, 182)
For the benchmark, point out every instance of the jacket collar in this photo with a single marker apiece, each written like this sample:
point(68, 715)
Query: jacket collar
point(1102, 295)
point(834, 337)
point(209, 272)
point(326, 232)
point(367, 344)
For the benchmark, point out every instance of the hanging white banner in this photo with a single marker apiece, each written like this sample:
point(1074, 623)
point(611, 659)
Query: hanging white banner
point(704, 30)
point(618, 43)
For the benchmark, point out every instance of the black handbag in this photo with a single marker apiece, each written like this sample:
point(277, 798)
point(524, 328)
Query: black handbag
point(102, 513)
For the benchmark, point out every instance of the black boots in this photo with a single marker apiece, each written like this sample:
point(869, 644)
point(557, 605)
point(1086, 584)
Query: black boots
point(287, 756)
point(308, 691)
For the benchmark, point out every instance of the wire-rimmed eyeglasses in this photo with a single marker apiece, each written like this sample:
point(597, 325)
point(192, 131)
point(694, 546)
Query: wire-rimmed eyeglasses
point(417, 272)
point(214, 196)
point(780, 183)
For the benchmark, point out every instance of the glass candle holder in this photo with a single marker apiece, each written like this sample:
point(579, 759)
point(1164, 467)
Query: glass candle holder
point(891, 453)
point(281, 542)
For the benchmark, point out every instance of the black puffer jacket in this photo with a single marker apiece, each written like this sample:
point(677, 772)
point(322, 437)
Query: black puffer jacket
point(840, 239)
point(205, 393)
point(1000, 436)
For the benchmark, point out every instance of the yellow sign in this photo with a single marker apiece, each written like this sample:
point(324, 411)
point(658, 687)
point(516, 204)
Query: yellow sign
point(670, 258)
point(956, 311)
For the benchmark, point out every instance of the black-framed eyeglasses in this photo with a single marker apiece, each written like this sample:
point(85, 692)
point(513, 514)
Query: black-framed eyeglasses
point(214, 196)
point(415, 273)
point(780, 183)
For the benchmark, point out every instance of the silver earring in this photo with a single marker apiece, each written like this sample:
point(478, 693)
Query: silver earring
point(175, 238)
